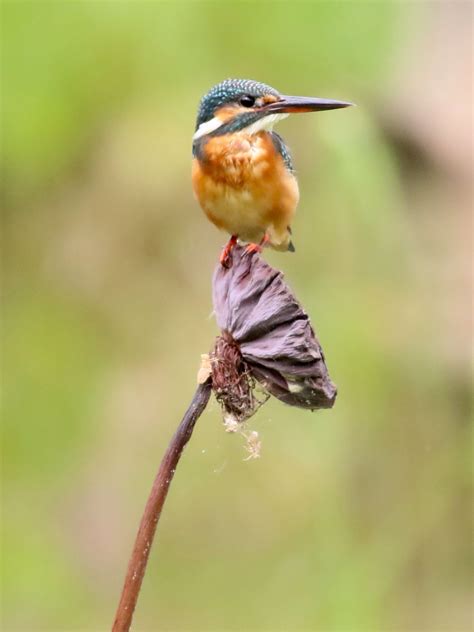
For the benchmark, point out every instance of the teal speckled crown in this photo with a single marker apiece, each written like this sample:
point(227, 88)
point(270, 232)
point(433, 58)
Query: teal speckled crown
point(229, 91)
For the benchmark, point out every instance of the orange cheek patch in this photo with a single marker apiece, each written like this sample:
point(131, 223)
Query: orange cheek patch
point(227, 112)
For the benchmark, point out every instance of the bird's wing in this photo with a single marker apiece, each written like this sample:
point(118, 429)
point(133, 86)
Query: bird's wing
point(283, 150)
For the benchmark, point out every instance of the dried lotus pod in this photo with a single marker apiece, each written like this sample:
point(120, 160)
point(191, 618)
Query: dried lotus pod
point(266, 337)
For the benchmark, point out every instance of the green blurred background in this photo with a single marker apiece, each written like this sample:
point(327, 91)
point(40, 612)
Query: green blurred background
point(353, 519)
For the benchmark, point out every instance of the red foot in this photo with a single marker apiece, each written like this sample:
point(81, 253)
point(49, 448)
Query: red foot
point(225, 257)
point(251, 248)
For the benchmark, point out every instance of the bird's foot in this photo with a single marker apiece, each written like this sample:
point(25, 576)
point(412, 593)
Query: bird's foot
point(225, 258)
point(252, 248)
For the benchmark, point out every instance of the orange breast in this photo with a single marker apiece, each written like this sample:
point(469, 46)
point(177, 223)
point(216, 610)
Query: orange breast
point(243, 186)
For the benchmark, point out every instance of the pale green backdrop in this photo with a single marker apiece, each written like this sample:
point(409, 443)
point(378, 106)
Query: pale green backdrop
point(352, 519)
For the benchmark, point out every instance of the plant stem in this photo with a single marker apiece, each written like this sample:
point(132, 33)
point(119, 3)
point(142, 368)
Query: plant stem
point(151, 515)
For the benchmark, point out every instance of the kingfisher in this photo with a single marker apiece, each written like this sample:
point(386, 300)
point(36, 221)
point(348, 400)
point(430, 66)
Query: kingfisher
point(243, 175)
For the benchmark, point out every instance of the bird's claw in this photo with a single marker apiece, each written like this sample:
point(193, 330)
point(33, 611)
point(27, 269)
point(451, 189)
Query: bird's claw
point(225, 258)
point(253, 248)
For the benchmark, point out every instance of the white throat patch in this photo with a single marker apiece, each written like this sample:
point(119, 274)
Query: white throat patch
point(265, 123)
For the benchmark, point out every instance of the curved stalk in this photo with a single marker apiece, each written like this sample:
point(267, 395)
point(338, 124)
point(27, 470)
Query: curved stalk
point(151, 515)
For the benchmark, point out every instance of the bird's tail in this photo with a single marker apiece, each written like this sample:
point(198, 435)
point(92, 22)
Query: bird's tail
point(283, 246)
point(282, 242)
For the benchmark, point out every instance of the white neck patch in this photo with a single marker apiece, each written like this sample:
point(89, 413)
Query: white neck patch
point(207, 127)
point(266, 123)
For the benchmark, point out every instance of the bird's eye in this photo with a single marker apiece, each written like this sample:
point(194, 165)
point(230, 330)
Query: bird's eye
point(247, 101)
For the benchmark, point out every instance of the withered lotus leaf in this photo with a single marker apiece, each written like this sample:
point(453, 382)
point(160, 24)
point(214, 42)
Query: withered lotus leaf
point(267, 336)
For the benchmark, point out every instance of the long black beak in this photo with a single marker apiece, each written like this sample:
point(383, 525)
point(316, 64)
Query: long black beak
point(304, 104)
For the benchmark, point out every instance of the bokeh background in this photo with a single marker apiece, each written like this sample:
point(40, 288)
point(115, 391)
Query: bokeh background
point(353, 519)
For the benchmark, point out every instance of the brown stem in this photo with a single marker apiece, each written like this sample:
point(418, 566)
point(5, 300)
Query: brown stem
point(151, 515)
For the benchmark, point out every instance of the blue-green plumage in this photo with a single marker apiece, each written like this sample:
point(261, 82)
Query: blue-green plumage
point(283, 150)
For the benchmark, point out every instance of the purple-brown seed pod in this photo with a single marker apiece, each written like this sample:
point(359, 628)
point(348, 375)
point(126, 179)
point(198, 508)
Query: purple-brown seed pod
point(266, 336)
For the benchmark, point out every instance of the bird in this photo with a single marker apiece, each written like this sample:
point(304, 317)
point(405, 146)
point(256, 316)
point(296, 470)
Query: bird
point(242, 171)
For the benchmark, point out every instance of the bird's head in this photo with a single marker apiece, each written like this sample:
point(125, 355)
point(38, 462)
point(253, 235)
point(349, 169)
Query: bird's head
point(241, 104)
